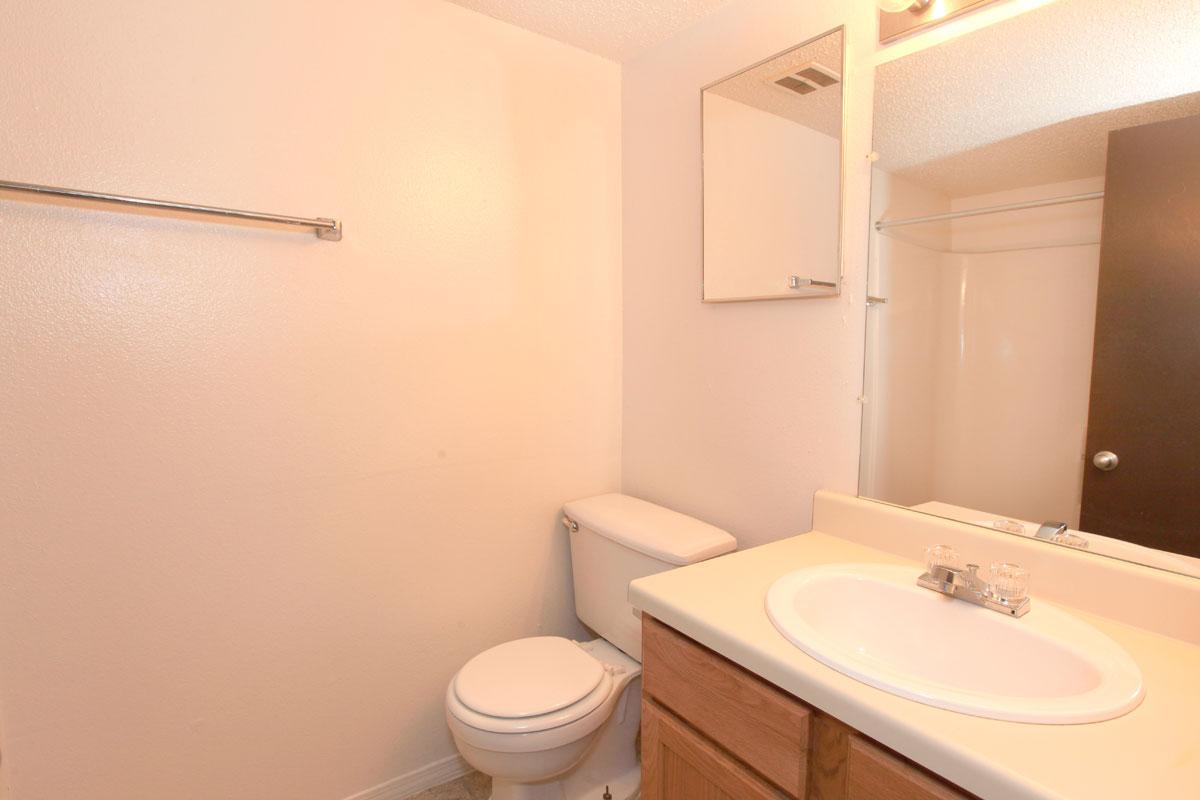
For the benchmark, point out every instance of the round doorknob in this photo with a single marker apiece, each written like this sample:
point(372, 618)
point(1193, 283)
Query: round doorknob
point(1105, 460)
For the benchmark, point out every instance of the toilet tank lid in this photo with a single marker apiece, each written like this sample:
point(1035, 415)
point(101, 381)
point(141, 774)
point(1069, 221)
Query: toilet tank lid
point(650, 529)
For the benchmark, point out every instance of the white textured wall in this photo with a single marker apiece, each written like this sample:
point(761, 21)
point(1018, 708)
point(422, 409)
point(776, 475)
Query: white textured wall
point(736, 412)
point(770, 201)
point(262, 494)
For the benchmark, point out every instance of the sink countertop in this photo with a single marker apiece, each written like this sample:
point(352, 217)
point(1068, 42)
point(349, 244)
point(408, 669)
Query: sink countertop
point(1153, 751)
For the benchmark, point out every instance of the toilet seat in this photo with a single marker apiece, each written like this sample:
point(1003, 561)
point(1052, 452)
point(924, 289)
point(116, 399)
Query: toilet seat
point(529, 685)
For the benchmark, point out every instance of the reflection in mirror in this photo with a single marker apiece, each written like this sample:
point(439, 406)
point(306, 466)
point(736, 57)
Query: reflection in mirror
point(772, 176)
point(1036, 365)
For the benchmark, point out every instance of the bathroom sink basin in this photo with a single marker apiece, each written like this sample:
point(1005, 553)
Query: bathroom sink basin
point(873, 623)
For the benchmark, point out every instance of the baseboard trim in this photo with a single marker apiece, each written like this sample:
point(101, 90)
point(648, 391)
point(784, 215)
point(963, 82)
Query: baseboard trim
point(418, 780)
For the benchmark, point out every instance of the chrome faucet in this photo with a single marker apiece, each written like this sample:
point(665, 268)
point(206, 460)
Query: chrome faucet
point(1005, 592)
point(1051, 530)
point(1058, 533)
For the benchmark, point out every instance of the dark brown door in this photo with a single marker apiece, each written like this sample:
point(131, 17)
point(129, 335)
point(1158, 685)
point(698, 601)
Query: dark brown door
point(1145, 396)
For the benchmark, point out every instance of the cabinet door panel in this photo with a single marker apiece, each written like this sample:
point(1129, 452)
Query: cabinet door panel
point(876, 774)
point(680, 764)
point(758, 723)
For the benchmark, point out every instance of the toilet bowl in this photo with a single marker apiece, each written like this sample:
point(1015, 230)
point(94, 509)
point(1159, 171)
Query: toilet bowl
point(553, 719)
point(528, 711)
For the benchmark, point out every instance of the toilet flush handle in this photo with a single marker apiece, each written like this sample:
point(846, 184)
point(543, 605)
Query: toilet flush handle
point(570, 524)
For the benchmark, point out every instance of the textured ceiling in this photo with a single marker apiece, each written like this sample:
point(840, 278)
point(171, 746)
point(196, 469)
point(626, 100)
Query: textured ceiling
point(821, 110)
point(986, 111)
point(616, 29)
point(1065, 151)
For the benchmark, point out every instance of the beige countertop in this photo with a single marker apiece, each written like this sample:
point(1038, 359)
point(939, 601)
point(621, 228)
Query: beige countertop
point(1151, 752)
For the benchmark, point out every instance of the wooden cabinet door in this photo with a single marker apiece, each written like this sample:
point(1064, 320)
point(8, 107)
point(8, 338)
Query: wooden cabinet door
point(877, 774)
point(713, 731)
point(745, 716)
point(680, 764)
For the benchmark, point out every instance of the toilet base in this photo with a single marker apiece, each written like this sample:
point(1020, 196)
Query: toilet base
point(611, 761)
point(623, 787)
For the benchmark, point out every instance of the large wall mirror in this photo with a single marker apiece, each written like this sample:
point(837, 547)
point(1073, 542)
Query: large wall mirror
point(1034, 345)
point(773, 176)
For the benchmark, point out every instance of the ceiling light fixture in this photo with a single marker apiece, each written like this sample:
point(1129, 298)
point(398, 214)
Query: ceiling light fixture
point(896, 6)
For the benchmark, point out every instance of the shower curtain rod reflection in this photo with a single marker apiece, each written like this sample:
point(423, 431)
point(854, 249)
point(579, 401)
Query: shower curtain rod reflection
point(328, 229)
point(977, 212)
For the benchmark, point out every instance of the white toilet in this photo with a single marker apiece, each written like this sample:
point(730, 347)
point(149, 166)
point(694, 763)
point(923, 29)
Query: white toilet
point(553, 719)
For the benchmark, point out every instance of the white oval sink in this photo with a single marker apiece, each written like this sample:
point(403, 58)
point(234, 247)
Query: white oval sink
point(873, 623)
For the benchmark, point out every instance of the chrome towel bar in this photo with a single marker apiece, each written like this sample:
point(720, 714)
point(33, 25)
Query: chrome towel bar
point(328, 229)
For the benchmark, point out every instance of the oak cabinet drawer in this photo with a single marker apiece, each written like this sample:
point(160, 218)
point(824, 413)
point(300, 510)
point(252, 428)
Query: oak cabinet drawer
point(878, 774)
point(680, 764)
point(761, 725)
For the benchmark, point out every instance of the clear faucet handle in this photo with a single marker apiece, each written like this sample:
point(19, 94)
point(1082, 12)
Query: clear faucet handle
point(1070, 540)
point(1008, 526)
point(1008, 583)
point(942, 555)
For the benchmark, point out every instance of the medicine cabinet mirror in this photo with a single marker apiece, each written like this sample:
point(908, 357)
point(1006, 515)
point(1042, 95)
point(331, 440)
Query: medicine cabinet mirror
point(1034, 342)
point(773, 176)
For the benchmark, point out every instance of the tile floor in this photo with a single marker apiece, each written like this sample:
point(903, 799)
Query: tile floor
point(475, 786)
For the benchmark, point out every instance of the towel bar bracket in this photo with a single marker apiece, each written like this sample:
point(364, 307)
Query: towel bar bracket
point(333, 234)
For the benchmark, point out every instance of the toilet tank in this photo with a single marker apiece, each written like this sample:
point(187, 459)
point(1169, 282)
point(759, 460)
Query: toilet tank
point(616, 538)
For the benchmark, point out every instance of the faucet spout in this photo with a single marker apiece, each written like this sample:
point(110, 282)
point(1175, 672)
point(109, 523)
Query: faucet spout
point(1050, 531)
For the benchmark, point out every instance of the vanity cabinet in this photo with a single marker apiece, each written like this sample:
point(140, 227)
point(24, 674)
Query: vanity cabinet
point(712, 730)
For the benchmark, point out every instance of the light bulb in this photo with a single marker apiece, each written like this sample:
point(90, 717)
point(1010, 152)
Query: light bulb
point(895, 6)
